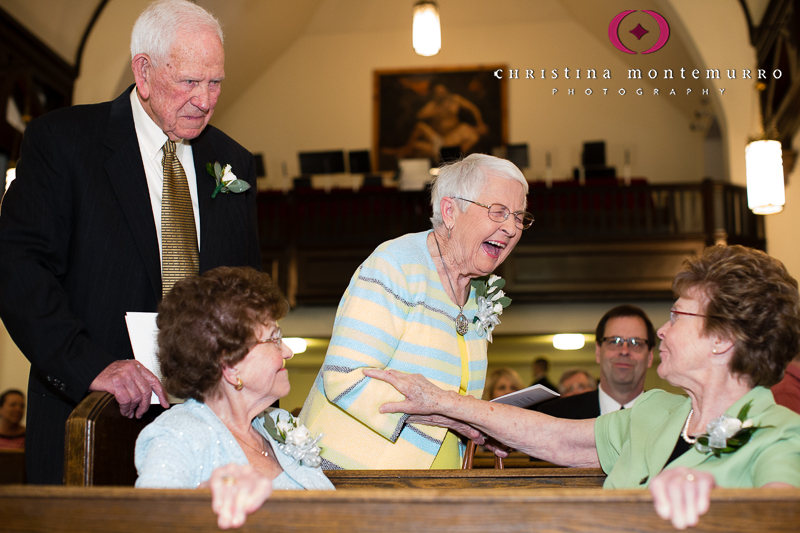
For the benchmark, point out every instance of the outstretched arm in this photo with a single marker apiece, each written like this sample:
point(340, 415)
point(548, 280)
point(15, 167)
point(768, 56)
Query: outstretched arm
point(564, 442)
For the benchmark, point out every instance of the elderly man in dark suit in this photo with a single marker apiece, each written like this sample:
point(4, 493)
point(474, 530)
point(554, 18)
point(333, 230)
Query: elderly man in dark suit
point(624, 350)
point(85, 237)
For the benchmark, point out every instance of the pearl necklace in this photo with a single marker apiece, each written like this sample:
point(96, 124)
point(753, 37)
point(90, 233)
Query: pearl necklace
point(687, 438)
point(462, 324)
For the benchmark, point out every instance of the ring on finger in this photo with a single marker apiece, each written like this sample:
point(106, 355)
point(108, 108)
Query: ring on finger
point(229, 480)
point(689, 477)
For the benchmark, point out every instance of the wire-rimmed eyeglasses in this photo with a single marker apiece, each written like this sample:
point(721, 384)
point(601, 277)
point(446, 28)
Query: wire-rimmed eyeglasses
point(500, 213)
point(277, 338)
point(635, 344)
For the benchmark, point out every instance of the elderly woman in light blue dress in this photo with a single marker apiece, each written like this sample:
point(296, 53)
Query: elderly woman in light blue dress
point(220, 347)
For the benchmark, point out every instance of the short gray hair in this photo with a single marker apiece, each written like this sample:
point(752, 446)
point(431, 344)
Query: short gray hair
point(156, 28)
point(466, 179)
point(574, 372)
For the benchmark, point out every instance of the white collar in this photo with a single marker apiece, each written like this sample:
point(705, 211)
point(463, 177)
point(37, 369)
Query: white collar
point(609, 404)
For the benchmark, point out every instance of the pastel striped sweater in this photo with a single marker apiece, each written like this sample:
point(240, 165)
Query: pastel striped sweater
point(396, 315)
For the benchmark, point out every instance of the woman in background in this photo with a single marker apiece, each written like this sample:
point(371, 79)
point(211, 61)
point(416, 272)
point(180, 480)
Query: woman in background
point(12, 409)
point(502, 381)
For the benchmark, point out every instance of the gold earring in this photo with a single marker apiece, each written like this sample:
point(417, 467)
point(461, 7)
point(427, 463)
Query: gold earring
point(239, 383)
point(448, 232)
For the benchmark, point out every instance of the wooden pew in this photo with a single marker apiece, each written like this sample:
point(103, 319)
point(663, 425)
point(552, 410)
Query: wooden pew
point(128, 510)
point(485, 459)
point(99, 444)
point(524, 478)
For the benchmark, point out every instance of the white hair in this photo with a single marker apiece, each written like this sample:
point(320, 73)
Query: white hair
point(466, 179)
point(157, 27)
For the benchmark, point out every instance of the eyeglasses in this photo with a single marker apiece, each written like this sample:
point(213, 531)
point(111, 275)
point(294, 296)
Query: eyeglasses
point(673, 315)
point(500, 213)
point(579, 387)
point(277, 338)
point(635, 344)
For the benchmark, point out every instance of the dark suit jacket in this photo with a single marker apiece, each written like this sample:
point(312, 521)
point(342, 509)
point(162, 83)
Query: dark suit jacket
point(578, 407)
point(79, 249)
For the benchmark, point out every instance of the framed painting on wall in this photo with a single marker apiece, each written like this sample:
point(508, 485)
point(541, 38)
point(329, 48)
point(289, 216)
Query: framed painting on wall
point(437, 113)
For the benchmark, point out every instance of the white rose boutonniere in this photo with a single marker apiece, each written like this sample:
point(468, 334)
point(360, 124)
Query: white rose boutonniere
point(727, 434)
point(491, 302)
point(293, 440)
point(226, 179)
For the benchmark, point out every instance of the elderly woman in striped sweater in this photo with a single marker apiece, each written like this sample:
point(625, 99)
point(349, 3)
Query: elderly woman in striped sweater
point(419, 304)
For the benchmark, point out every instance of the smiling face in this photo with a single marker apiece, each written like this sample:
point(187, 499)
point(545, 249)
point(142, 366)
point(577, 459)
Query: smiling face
point(484, 244)
point(621, 369)
point(503, 386)
point(180, 93)
point(13, 409)
point(684, 346)
point(262, 370)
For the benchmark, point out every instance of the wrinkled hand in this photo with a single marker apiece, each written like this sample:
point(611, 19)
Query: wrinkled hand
point(500, 450)
point(682, 495)
point(237, 491)
point(421, 395)
point(132, 385)
point(449, 423)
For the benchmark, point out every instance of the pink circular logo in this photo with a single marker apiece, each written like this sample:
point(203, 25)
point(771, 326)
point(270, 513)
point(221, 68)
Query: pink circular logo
point(638, 31)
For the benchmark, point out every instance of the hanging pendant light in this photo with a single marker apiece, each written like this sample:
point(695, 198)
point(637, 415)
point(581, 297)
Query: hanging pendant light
point(426, 31)
point(765, 187)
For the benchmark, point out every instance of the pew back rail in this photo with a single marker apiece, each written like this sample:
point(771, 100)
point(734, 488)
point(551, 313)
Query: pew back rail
point(123, 510)
point(100, 442)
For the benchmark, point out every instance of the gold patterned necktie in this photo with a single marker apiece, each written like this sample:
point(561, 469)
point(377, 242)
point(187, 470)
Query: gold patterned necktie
point(179, 256)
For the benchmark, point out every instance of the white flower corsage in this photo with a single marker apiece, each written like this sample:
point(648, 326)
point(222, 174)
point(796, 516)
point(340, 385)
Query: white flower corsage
point(491, 302)
point(226, 179)
point(293, 440)
point(727, 434)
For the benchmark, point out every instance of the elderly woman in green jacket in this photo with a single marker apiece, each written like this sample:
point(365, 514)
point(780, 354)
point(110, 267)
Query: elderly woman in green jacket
point(730, 336)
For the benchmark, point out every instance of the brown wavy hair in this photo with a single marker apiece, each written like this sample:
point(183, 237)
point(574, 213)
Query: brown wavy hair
point(209, 321)
point(752, 300)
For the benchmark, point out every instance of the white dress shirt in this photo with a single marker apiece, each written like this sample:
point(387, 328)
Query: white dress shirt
point(609, 404)
point(151, 142)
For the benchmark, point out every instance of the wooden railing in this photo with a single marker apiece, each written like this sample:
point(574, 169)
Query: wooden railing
point(117, 510)
point(313, 240)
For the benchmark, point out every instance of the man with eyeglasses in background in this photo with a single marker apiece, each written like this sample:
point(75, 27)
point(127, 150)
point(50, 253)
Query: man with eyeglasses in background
point(624, 350)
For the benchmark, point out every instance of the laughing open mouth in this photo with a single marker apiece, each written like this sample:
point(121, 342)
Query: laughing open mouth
point(493, 248)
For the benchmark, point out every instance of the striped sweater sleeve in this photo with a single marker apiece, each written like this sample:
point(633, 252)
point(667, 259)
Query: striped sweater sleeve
point(370, 323)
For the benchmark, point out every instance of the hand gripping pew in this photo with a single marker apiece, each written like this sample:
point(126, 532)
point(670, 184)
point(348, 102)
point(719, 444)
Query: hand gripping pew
point(123, 509)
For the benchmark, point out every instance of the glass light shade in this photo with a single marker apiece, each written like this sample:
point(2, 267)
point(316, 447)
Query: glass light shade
point(11, 173)
point(296, 344)
point(765, 189)
point(568, 341)
point(426, 31)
